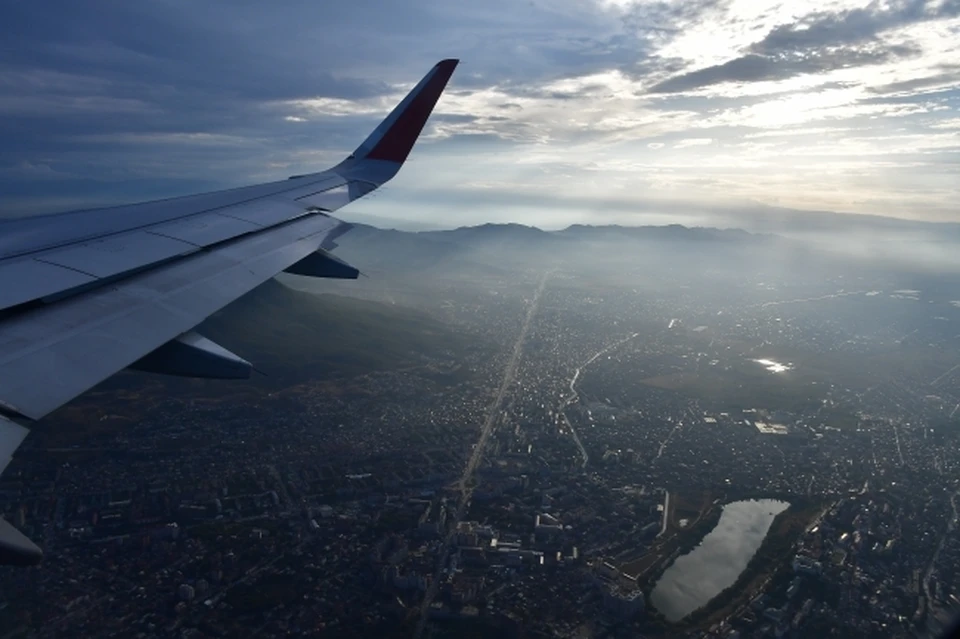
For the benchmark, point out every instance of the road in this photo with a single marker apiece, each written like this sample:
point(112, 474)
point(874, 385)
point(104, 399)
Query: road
point(666, 513)
point(575, 395)
point(664, 443)
point(465, 487)
point(896, 436)
point(287, 502)
point(808, 299)
point(937, 380)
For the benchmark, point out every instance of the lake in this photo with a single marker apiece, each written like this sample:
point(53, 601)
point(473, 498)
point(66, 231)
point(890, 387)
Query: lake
point(700, 575)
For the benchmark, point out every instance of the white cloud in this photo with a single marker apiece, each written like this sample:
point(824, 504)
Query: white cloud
point(556, 96)
point(341, 107)
point(686, 142)
point(796, 136)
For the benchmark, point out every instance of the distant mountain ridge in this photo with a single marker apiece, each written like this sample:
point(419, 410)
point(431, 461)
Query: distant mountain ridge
point(521, 232)
point(500, 248)
point(666, 232)
point(750, 215)
point(514, 233)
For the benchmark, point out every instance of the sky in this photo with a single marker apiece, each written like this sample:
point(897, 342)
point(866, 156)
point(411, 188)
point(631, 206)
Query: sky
point(561, 112)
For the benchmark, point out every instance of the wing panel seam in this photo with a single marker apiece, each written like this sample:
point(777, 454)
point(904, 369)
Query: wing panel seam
point(69, 268)
point(143, 227)
point(170, 237)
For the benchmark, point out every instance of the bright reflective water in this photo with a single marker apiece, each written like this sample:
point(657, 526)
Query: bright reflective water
point(700, 575)
point(774, 366)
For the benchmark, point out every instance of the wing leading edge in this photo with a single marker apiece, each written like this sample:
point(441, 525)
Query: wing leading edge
point(88, 293)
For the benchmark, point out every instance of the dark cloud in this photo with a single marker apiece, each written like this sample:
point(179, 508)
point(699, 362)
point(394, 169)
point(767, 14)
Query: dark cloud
point(823, 30)
point(818, 43)
point(755, 68)
point(948, 78)
point(78, 88)
point(652, 24)
point(659, 20)
point(746, 69)
point(112, 100)
point(171, 50)
point(98, 88)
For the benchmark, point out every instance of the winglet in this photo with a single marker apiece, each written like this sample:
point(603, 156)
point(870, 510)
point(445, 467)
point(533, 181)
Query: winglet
point(394, 138)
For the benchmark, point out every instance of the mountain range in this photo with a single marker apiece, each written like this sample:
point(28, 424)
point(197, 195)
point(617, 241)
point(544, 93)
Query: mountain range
point(498, 248)
point(296, 336)
point(754, 217)
point(866, 242)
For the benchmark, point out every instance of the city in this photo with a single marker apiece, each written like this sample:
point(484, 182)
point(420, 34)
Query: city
point(549, 468)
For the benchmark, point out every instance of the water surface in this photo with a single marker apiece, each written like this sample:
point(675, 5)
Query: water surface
point(774, 366)
point(700, 575)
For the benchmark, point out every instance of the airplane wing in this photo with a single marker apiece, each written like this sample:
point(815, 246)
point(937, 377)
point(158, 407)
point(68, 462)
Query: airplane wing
point(88, 293)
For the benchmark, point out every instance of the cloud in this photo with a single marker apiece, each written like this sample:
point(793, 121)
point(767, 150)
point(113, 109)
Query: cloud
point(755, 68)
point(838, 104)
point(687, 142)
point(820, 42)
point(821, 30)
point(945, 77)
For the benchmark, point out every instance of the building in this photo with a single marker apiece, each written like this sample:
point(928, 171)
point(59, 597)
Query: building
point(546, 525)
point(622, 602)
point(806, 566)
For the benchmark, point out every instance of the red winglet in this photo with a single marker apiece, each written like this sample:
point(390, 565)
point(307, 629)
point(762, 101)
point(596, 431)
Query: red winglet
point(394, 138)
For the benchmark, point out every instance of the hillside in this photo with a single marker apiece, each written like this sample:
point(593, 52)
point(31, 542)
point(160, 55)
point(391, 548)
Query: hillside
point(293, 335)
point(294, 338)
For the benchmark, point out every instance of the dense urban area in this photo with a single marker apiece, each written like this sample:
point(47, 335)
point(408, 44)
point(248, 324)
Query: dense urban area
point(688, 442)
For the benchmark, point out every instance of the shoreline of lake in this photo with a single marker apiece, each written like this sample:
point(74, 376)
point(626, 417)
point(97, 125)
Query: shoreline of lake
point(716, 563)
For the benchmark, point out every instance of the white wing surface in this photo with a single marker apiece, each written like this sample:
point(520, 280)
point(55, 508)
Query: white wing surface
point(88, 293)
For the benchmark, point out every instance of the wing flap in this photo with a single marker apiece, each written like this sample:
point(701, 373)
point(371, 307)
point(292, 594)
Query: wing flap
point(207, 229)
point(27, 279)
point(341, 196)
point(119, 254)
point(265, 213)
